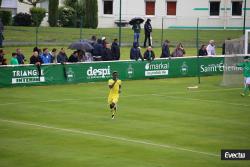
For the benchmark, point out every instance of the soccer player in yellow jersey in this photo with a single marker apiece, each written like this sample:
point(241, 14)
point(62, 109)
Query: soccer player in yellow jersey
point(115, 90)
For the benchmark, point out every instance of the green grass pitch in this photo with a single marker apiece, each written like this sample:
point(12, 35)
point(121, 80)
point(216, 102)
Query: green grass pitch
point(160, 123)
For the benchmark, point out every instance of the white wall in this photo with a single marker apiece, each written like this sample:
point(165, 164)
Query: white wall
point(21, 7)
point(186, 15)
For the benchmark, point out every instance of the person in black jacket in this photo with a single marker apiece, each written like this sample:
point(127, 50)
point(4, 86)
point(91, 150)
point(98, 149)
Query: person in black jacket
point(107, 54)
point(36, 59)
point(62, 56)
point(147, 31)
point(98, 50)
point(74, 57)
point(135, 52)
point(165, 52)
point(115, 49)
point(203, 50)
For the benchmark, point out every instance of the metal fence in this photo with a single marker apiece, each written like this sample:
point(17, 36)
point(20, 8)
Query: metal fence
point(173, 29)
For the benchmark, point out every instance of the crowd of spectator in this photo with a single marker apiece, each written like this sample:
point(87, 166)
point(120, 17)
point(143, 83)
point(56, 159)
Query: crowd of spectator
point(102, 51)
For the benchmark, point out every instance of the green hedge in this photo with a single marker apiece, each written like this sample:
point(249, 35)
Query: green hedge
point(67, 16)
point(6, 17)
point(22, 19)
point(37, 15)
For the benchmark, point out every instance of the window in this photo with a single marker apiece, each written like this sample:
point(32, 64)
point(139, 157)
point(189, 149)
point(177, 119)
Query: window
point(171, 8)
point(150, 7)
point(108, 7)
point(214, 8)
point(236, 8)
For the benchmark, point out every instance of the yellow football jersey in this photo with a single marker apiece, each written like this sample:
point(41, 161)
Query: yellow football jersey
point(115, 89)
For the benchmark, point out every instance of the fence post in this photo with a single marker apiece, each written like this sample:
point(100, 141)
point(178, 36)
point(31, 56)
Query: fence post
point(120, 20)
point(36, 36)
point(81, 25)
point(162, 26)
point(197, 47)
point(244, 22)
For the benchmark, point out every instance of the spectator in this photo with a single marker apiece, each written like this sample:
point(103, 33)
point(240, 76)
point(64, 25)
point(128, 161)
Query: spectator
point(81, 56)
point(4, 62)
point(88, 57)
point(224, 46)
point(137, 29)
point(98, 50)
point(135, 52)
point(20, 56)
point(53, 54)
point(46, 57)
point(211, 48)
point(1, 56)
point(149, 54)
point(107, 54)
point(179, 51)
point(203, 51)
point(74, 57)
point(104, 42)
point(115, 49)
point(39, 51)
point(36, 49)
point(62, 56)
point(13, 60)
point(93, 40)
point(1, 33)
point(35, 59)
point(147, 31)
point(165, 52)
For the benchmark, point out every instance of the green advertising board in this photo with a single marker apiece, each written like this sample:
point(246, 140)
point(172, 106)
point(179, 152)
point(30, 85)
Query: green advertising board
point(26, 75)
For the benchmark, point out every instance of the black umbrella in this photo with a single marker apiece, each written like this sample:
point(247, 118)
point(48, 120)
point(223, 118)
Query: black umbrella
point(81, 46)
point(88, 40)
point(135, 20)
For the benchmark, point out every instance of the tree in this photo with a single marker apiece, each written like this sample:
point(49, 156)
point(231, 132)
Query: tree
point(53, 12)
point(67, 16)
point(31, 2)
point(37, 15)
point(79, 7)
point(70, 3)
point(91, 19)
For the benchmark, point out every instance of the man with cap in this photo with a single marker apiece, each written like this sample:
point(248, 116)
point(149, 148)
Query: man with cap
point(246, 73)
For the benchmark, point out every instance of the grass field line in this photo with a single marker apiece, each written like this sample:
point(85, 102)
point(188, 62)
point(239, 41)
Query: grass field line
point(212, 90)
point(89, 133)
point(201, 100)
point(192, 91)
point(43, 101)
point(127, 96)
